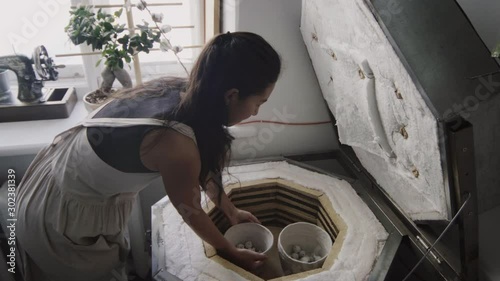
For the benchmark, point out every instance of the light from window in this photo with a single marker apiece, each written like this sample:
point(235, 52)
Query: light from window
point(30, 23)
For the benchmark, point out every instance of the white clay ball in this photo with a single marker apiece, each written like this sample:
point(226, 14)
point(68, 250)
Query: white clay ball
point(295, 256)
point(304, 259)
point(248, 244)
point(302, 253)
point(296, 249)
point(316, 257)
point(240, 246)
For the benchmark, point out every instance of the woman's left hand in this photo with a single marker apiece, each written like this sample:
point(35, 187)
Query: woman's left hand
point(239, 216)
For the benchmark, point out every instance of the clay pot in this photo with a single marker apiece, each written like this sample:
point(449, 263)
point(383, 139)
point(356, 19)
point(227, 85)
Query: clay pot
point(95, 99)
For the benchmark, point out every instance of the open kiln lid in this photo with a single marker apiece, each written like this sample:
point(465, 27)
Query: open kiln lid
point(390, 75)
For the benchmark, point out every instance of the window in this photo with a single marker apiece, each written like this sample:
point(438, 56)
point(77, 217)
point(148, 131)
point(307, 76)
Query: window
point(39, 22)
point(42, 22)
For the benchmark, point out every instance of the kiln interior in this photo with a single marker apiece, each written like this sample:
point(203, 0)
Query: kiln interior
point(277, 203)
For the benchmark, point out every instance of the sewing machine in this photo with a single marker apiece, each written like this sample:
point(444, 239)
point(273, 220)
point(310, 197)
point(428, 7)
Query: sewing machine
point(30, 88)
point(34, 102)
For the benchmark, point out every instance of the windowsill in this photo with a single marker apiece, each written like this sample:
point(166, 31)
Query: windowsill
point(28, 137)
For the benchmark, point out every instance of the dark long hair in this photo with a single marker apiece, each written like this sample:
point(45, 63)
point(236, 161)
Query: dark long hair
point(239, 60)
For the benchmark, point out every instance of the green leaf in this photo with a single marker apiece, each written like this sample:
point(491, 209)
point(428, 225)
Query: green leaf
point(108, 26)
point(106, 35)
point(120, 28)
point(107, 52)
point(142, 27)
point(98, 62)
point(156, 38)
point(96, 31)
point(123, 40)
point(118, 13)
point(100, 14)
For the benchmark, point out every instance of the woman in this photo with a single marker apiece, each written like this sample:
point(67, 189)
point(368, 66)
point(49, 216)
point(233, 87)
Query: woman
point(75, 200)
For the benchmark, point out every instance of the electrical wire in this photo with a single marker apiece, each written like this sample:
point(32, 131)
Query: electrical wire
point(285, 123)
point(439, 238)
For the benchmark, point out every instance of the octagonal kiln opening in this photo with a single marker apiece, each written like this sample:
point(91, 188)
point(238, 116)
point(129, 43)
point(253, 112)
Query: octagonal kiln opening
point(277, 203)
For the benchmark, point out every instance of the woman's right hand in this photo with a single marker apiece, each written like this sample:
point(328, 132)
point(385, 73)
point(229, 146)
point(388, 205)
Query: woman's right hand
point(244, 258)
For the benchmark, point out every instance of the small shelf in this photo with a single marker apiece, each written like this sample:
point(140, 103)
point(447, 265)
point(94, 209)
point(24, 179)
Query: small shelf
point(59, 103)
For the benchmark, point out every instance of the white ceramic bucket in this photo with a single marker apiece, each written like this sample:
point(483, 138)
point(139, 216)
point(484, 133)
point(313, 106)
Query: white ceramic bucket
point(311, 238)
point(261, 237)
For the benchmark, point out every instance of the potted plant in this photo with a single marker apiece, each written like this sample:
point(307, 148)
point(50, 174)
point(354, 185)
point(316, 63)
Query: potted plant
point(102, 32)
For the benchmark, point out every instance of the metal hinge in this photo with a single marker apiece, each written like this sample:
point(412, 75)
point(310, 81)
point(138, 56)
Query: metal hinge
point(147, 241)
point(438, 260)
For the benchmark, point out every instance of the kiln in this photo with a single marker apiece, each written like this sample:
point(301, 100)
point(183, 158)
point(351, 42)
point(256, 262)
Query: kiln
point(404, 175)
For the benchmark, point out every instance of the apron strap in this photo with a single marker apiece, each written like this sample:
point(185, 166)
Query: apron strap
point(126, 122)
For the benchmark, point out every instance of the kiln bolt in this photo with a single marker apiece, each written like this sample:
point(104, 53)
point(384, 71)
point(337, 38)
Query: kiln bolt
point(332, 54)
point(361, 74)
point(398, 94)
point(464, 149)
point(403, 132)
point(415, 172)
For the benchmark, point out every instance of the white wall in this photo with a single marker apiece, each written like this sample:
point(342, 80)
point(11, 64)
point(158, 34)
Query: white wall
point(297, 96)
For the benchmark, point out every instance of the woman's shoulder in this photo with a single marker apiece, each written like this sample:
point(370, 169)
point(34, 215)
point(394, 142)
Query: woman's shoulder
point(165, 147)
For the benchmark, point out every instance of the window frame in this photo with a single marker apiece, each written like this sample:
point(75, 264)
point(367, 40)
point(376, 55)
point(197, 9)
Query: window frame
point(209, 26)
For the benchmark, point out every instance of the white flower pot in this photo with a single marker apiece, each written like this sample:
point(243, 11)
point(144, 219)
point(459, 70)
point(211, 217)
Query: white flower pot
point(92, 106)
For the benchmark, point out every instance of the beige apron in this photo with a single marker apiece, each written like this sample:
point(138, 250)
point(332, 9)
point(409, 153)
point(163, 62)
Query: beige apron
point(73, 208)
